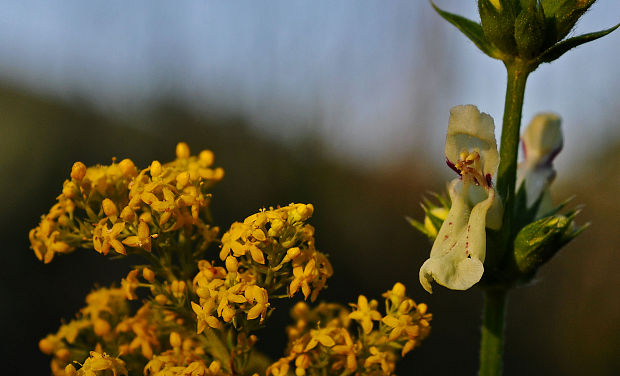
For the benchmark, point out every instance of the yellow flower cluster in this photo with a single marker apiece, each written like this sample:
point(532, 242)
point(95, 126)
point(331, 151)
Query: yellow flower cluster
point(325, 336)
point(185, 357)
point(288, 243)
point(118, 206)
point(97, 364)
point(196, 316)
point(103, 312)
point(54, 231)
point(270, 250)
point(226, 293)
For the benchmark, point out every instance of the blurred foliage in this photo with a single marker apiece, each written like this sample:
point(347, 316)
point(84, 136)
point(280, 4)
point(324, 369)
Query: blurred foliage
point(572, 317)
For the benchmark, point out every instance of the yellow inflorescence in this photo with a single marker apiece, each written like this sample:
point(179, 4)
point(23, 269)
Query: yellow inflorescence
point(326, 332)
point(118, 206)
point(183, 313)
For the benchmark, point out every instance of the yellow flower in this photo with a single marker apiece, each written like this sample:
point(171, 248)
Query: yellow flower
point(259, 295)
point(232, 294)
point(401, 324)
point(302, 278)
point(142, 239)
point(322, 336)
point(44, 243)
point(130, 284)
point(102, 362)
point(103, 237)
point(238, 240)
point(384, 359)
point(349, 349)
point(364, 313)
point(205, 317)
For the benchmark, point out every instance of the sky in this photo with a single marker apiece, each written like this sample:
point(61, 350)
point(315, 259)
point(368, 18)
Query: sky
point(373, 79)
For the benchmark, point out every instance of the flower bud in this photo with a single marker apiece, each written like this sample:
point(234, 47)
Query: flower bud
point(178, 288)
point(101, 327)
point(182, 150)
point(63, 354)
point(109, 208)
point(46, 346)
point(155, 169)
point(148, 274)
point(128, 168)
point(78, 171)
point(182, 179)
point(206, 158)
point(232, 265)
point(70, 370)
point(498, 24)
point(161, 299)
point(537, 242)
point(175, 339)
point(69, 189)
point(530, 30)
point(127, 214)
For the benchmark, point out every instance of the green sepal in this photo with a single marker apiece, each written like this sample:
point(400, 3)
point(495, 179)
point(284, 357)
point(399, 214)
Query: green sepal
point(430, 229)
point(530, 30)
point(539, 241)
point(562, 15)
point(420, 227)
point(559, 49)
point(472, 30)
point(498, 26)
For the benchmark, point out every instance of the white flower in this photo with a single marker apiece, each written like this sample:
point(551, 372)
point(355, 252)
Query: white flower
point(542, 141)
point(457, 256)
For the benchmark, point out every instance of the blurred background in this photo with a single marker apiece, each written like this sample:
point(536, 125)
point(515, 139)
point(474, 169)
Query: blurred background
point(341, 104)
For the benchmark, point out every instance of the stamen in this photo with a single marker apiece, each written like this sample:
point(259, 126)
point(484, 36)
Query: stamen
point(469, 166)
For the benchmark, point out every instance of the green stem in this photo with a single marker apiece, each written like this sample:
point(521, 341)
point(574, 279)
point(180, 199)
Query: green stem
point(518, 72)
point(509, 146)
point(492, 343)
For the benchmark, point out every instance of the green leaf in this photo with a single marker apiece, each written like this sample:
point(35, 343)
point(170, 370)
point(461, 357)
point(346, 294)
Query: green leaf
point(472, 30)
point(559, 49)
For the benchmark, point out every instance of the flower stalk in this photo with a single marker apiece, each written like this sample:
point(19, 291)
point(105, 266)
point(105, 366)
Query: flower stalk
point(492, 341)
point(518, 73)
